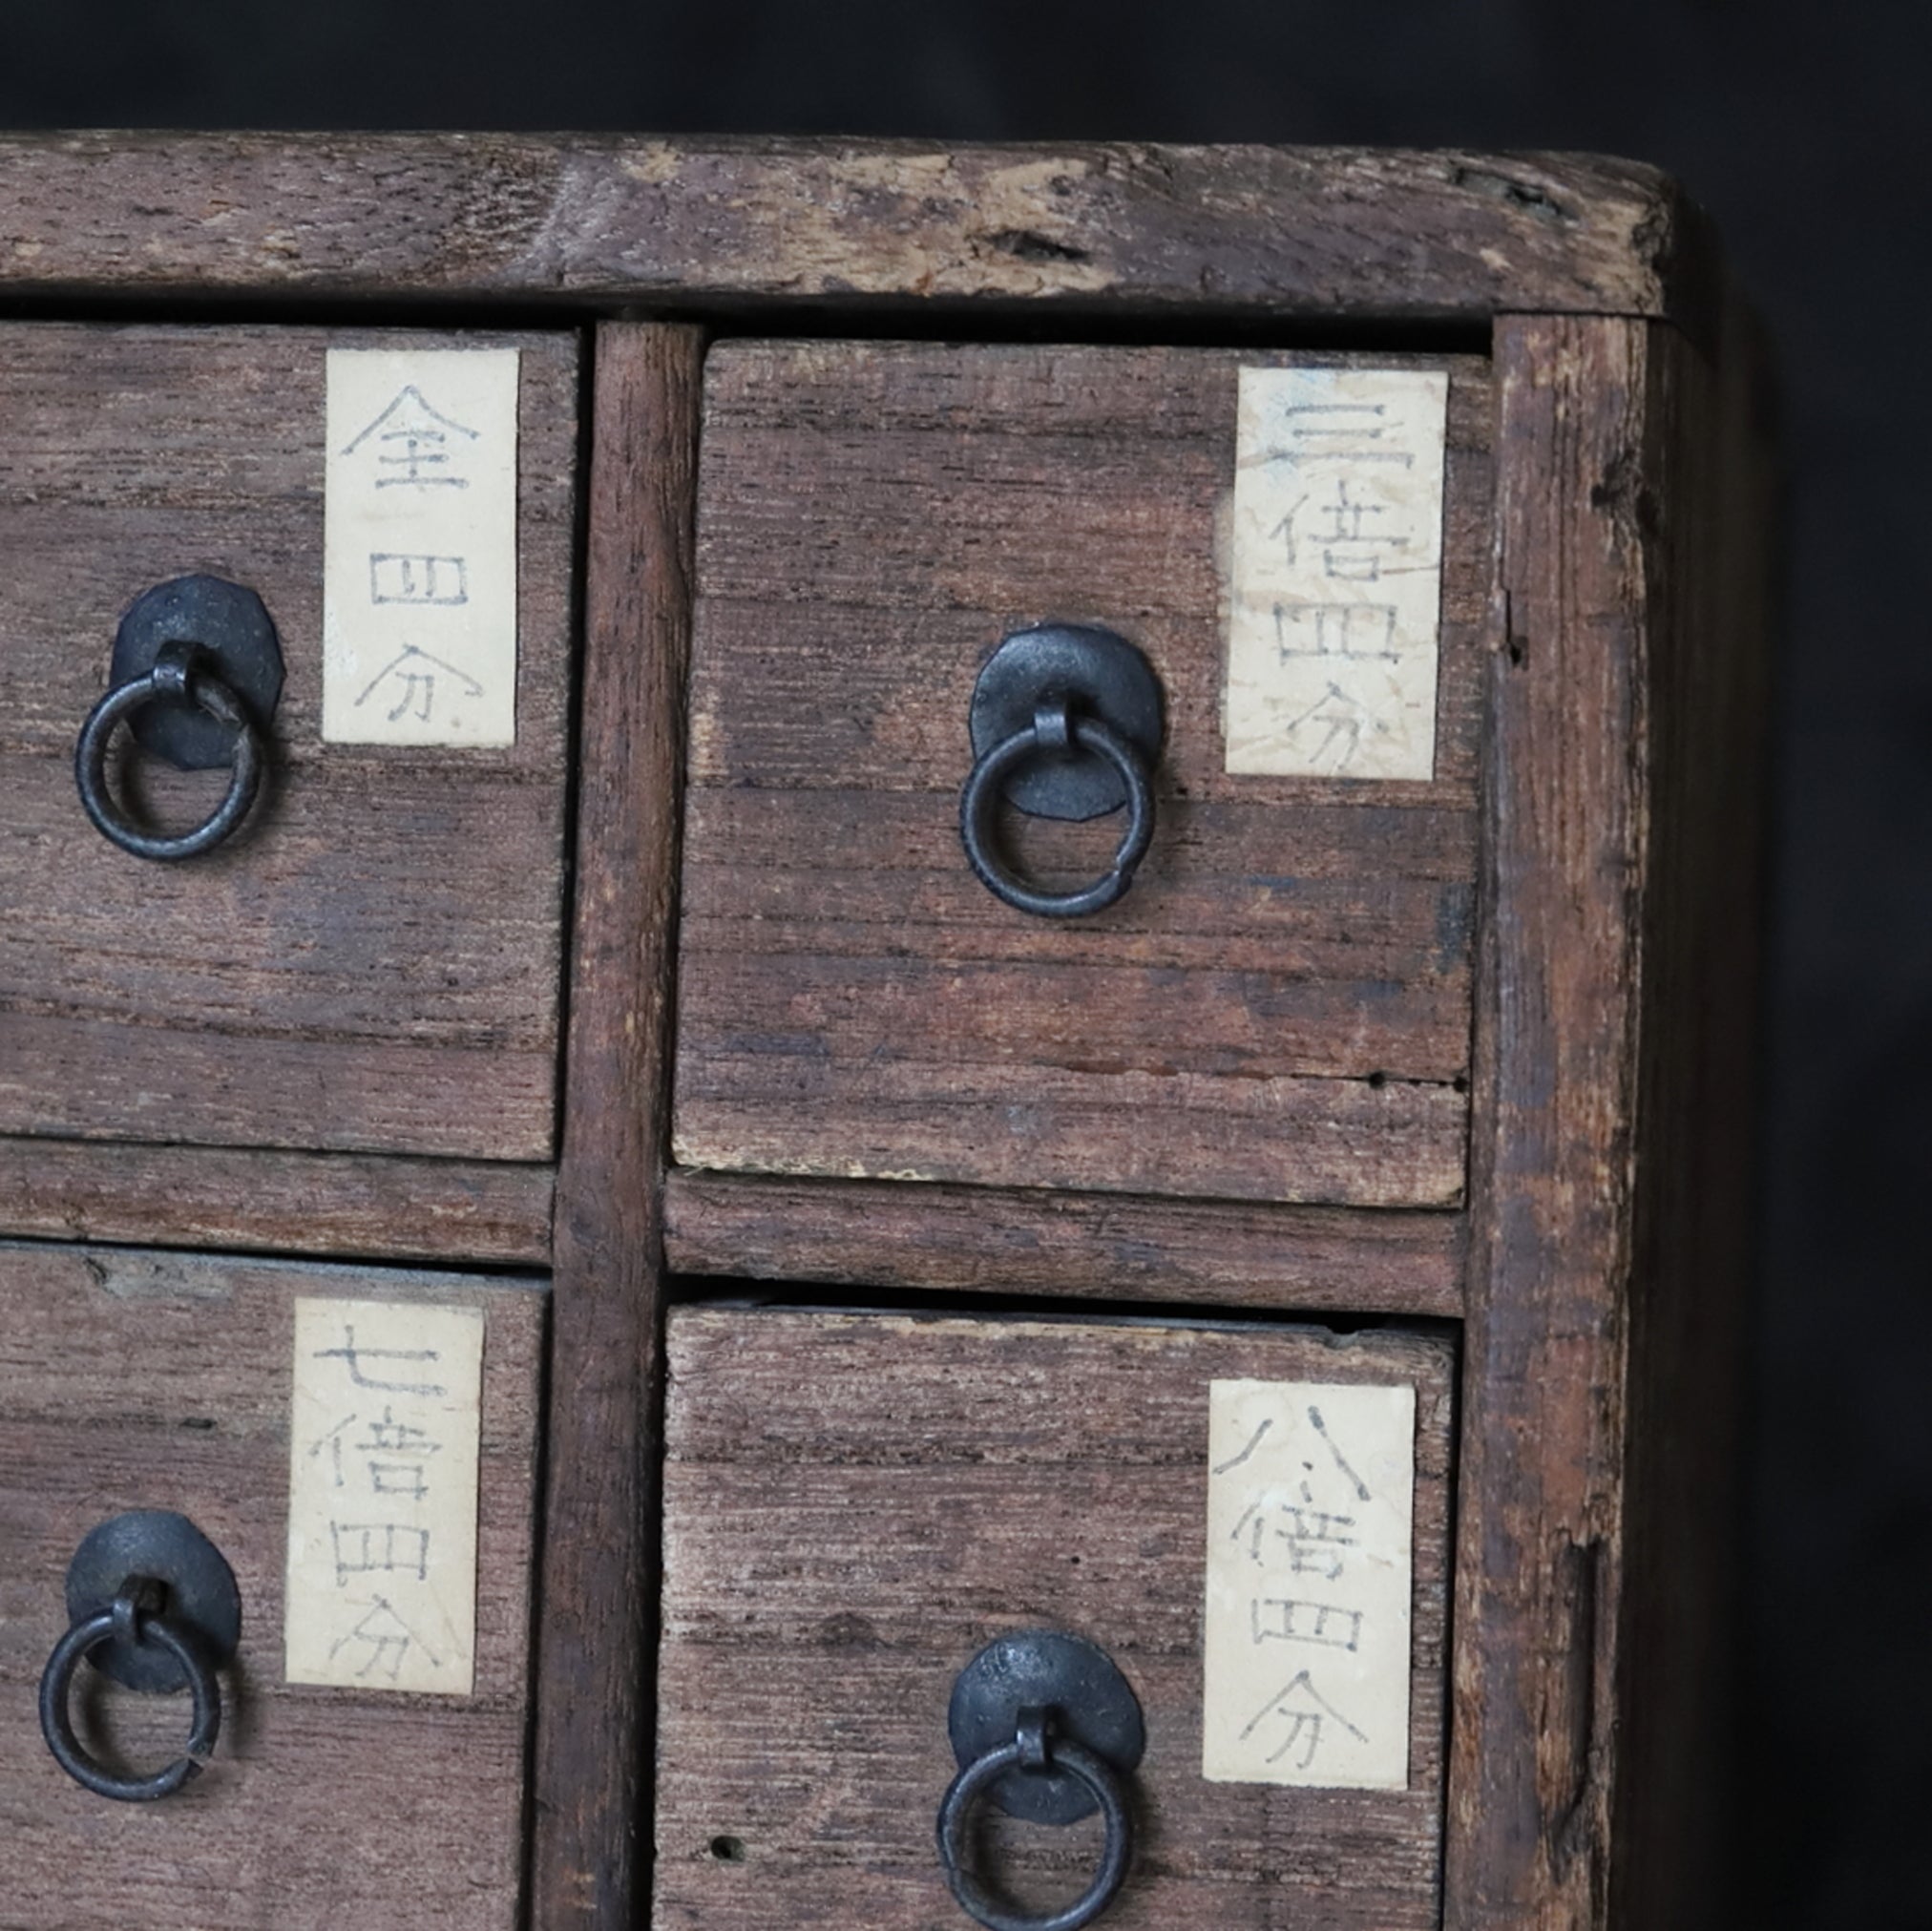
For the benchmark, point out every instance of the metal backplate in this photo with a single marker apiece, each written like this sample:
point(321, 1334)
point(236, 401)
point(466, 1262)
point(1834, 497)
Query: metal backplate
point(1097, 672)
point(202, 1600)
point(237, 636)
point(1086, 1697)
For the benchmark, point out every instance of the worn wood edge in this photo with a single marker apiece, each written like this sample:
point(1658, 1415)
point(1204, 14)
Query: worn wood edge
point(596, 1629)
point(128, 1272)
point(1611, 1224)
point(988, 1240)
point(1323, 233)
point(1554, 1090)
point(246, 1199)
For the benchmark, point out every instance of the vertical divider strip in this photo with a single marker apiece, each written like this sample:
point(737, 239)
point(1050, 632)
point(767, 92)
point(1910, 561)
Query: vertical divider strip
point(1559, 983)
point(596, 1614)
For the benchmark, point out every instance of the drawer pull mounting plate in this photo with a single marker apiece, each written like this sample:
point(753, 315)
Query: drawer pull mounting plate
point(1045, 1727)
point(1067, 721)
point(152, 1604)
point(196, 675)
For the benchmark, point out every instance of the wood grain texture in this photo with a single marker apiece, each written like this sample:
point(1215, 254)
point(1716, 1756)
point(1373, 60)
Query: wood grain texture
point(1538, 1567)
point(373, 963)
point(1114, 1247)
point(1320, 232)
point(855, 1503)
point(1606, 1216)
point(600, 1569)
point(150, 1380)
point(349, 1205)
point(1279, 1008)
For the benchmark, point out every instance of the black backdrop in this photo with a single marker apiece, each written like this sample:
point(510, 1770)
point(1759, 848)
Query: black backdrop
point(1805, 129)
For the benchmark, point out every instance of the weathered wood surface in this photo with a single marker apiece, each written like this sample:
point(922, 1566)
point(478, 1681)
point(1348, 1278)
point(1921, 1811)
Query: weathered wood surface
point(600, 1549)
point(349, 1205)
point(1279, 1009)
point(1538, 1565)
point(854, 1504)
point(1114, 1247)
point(1320, 232)
point(373, 963)
point(150, 1380)
point(1607, 1213)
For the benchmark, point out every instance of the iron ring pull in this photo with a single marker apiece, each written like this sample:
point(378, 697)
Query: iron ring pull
point(1032, 1749)
point(180, 670)
point(135, 1616)
point(1056, 726)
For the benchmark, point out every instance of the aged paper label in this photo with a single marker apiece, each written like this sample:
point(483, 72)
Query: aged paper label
point(1311, 1498)
point(384, 1426)
point(1337, 573)
point(419, 548)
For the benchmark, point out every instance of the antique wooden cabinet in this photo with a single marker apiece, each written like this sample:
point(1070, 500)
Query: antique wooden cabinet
point(895, 1200)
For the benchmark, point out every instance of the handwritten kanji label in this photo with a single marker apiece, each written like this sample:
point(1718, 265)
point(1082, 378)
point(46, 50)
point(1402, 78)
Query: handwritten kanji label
point(1336, 581)
point(1311, 1500)
point(419, 548)
point(384, 1426)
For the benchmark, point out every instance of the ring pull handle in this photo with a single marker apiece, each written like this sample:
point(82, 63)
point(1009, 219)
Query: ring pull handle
point(176, 674)
point(1046, 1728)
point(196, 675)
point(169, 1622)
point(134, 1616)
point(1067, 721)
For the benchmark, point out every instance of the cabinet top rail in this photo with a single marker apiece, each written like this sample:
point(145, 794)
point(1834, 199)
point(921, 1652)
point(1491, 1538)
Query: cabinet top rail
point(601, 222)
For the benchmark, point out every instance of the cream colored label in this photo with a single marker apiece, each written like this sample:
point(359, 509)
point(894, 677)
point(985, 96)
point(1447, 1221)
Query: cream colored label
point(1335, 599)
point(384, 1427)
point(419, 565)
point(1311, 1498)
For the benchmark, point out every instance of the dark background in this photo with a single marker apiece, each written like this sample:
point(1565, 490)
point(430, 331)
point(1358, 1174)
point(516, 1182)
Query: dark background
point(1806, 131)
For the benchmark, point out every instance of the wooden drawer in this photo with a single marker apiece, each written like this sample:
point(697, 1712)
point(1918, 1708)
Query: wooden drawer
point(134, 1380)
point(1279, 1009)
point(856, 1504)
point(372, 961)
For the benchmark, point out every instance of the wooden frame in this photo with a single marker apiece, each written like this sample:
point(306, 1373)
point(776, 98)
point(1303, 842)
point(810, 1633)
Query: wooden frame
point(1604, 1238)
point(595, 222)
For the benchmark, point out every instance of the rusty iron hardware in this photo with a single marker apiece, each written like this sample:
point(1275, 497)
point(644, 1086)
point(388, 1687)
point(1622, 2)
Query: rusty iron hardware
point(196, 675)
point(1045, 1727)
point(152, 1604)
point(1067, 721)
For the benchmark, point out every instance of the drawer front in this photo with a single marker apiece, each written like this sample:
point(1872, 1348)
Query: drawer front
point(856, 1504)
point(1278, 1008)
point(371, 962)
point(133, 1381)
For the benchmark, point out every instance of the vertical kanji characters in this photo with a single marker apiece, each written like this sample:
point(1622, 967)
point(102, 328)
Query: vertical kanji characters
point(383, 1494)
point(1310, 1498)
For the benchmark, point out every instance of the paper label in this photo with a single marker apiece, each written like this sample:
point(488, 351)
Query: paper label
point(1311, 1500)
point(419, 548)
point(384, 1426)
point(1337, 590)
